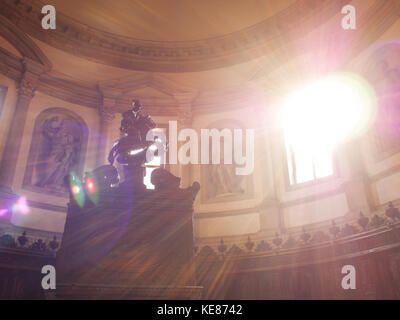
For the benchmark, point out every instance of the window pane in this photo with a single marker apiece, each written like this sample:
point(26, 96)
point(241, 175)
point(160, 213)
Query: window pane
point(303, 164)
point(290, 164)
point(307, 161)
point(323, 162)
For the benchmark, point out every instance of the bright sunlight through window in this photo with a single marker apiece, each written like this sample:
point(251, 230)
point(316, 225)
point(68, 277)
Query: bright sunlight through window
point(318, 117)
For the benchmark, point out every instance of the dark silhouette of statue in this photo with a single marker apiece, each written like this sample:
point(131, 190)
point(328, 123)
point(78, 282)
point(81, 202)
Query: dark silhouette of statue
point(131, 149)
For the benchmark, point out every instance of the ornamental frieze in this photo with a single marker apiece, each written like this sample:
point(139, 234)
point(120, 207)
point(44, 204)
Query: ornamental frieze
point(172, 56)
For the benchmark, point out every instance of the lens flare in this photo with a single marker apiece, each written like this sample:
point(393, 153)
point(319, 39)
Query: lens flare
point(91, 189)
point(329, 111)
point(21, 206)
point(76, 189)
point(90, 186)
point(3, 212)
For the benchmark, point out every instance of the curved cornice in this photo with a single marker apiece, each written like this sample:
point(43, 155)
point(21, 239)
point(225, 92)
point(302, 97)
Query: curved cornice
point(173, 56)
point(371, 24)
point(376, 21)
point(25, 46)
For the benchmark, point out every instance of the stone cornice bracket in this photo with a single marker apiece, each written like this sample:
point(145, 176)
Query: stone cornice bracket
point(107, 114)
point(107, 109)
point(30, 78)
point(108, 102)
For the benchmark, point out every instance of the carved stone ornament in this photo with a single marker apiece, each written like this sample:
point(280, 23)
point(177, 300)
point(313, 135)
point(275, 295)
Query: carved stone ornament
point(170, 56)
point(106, 114)
point(27, 87)
point(30, 78)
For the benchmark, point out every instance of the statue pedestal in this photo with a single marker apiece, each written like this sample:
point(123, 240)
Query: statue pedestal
point(133, 244)
point(134, 177)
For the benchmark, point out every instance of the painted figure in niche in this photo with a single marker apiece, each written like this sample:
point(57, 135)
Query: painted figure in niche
point(384, 74)
point(386, 78)
point(59, 153)
point(224, 181)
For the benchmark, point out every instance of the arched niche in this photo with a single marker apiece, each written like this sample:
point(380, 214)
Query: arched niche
point(383, 72)
point(58, 147)
point(219, 181)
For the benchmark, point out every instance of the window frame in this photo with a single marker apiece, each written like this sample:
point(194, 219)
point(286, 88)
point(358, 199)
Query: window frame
point(316, 181)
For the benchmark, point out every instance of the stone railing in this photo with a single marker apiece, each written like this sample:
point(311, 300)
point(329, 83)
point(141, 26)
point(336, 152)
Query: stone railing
point(29, 239)
point(291, 239)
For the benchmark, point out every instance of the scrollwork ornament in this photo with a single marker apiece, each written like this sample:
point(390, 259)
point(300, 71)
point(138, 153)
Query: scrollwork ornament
point(27, 87)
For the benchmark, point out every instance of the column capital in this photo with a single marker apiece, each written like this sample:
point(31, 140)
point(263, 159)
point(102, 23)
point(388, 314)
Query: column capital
point(108, 103)
point(106, 109)
point(30, 78)
point(107, 114)
point(27, 86)
point(26, 89)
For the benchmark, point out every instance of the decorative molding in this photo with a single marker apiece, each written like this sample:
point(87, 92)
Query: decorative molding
point(86, 94)
point(225, 213)
point(70, 91)
point(26, 239)
point(30, 79)
point(297, 238)
point(313, 198)
point(10, 65)
point(47, 206)
point(385, 173)
point(173, 56)
point(106, 114)
point(22, 42)
point(118, 87)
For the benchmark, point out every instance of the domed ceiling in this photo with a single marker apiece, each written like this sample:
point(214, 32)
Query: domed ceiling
point(208, 48)
point(171, 20)
point(174, 35)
